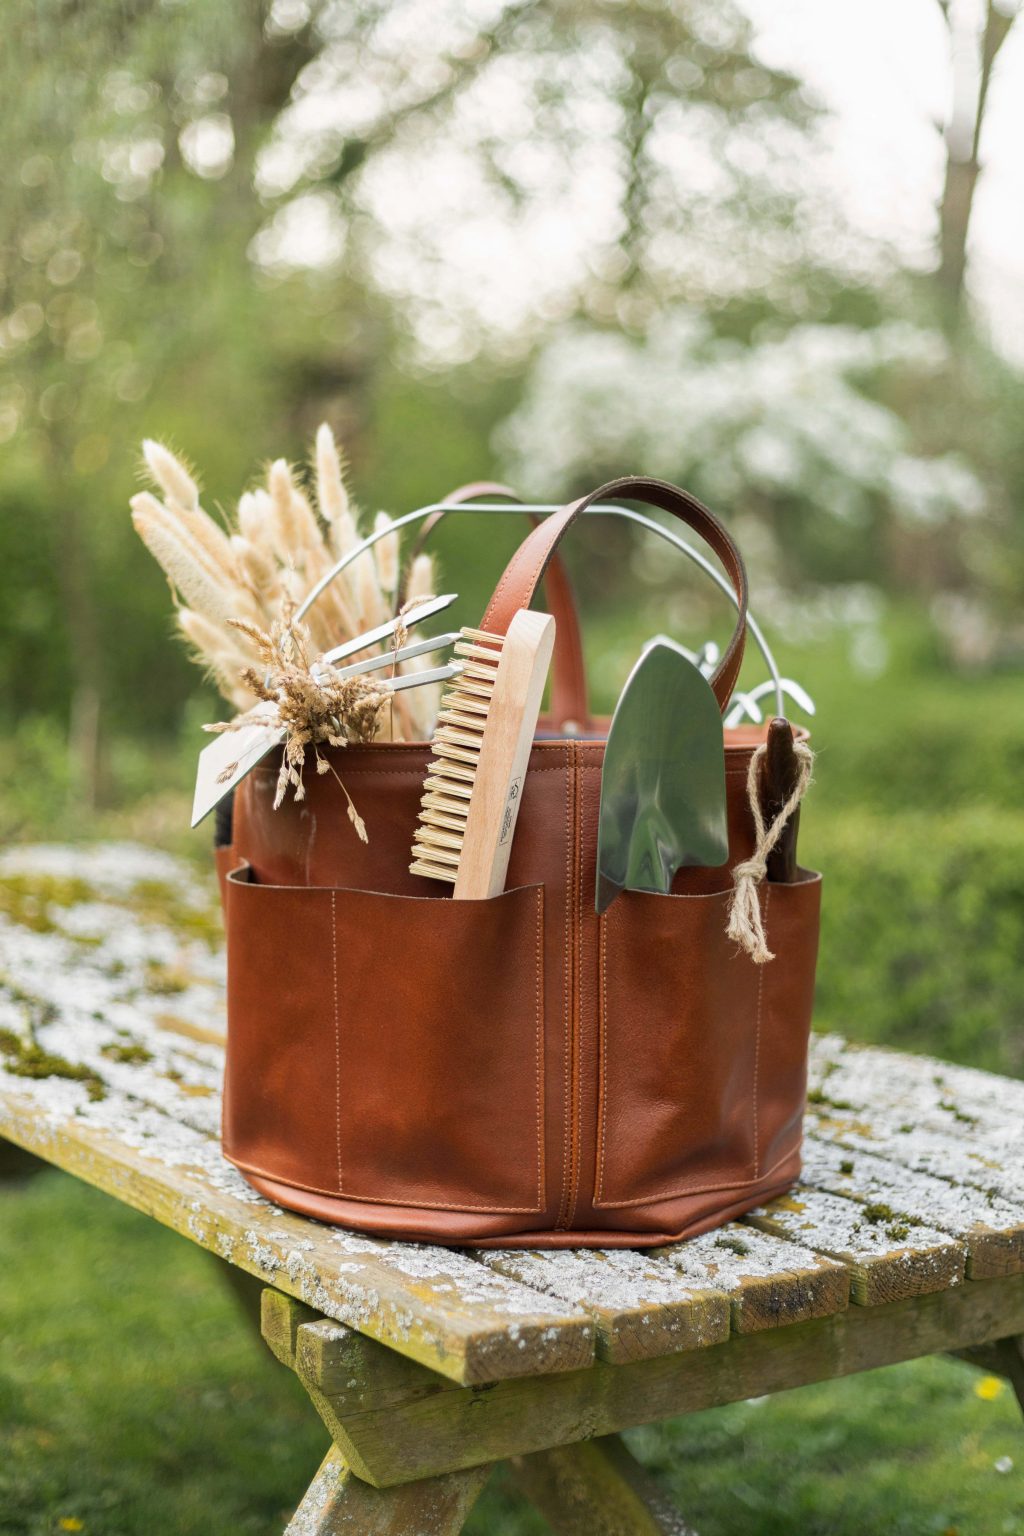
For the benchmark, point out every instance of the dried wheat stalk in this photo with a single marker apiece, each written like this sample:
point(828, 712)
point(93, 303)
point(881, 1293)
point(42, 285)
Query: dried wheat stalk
point(314, 708)
point(233, 584)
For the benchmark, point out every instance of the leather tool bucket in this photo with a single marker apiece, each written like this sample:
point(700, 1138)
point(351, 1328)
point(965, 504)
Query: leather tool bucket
point(516, 1071)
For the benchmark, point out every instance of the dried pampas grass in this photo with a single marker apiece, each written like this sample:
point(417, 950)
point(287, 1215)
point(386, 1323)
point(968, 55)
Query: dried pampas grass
point(313, 707)
point(236, 586)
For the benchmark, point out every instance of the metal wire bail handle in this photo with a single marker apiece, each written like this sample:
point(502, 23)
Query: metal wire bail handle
point(599, 509)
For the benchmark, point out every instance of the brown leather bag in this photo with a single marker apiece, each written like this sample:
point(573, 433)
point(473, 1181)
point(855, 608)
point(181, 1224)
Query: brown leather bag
point(518, 1071)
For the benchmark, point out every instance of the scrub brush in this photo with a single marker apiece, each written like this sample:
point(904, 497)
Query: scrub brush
point(481, 747)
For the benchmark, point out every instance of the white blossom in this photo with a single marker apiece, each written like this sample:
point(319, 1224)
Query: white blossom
point(787, 417)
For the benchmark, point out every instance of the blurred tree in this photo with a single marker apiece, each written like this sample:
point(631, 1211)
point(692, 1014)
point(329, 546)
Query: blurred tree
point(591, 157)
point(221, 219)
point(976, 36)
point(222, 222)
point(123, 276)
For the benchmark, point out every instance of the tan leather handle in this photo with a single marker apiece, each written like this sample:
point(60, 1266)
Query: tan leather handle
point(533, 559)
point(569, 702)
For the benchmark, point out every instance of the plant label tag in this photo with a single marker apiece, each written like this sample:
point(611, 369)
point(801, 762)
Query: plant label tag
point(227, 760)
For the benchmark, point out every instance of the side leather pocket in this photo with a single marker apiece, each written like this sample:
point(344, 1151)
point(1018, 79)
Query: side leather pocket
point(791, 919)
point(387, 1048)
point(679, 1020)
point(703, 1054)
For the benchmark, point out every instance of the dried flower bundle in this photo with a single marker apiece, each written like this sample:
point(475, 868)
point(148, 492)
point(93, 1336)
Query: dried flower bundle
point(314, 708)
point(236, 588)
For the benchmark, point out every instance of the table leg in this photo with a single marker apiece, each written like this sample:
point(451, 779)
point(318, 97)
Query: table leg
point(17, 1165)
point(597, 1488)
point(247, 1289)
point(589, 1488)
point(1004, 1357)
point(338, 1504)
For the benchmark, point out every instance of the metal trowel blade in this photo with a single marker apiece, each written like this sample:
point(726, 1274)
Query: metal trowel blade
point(663, 783)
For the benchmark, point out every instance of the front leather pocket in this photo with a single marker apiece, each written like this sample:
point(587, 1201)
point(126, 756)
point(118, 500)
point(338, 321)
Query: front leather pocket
point(679, 1022)
point(387, 1048)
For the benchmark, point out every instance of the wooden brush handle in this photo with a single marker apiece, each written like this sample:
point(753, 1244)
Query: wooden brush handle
point(504, 754)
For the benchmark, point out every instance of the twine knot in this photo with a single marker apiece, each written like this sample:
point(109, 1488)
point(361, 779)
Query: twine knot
point(746, 925)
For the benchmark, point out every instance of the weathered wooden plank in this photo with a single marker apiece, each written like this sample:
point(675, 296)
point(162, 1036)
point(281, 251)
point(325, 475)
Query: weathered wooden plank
point(355, 1373)
point(432, 1304)
point(338, 1504)
point(640, 1307)
point(460, 1427)
point(344, 1372)
point(887, 1258)
point(953, 1153)
point(958, 1123)
point(769, 1282)
point(281, 1317)
point(991, 1229)
point(597, 1489)
point(99, 1006)
point(937, 1090)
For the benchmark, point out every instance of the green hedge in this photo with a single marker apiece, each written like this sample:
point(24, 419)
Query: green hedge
point(922, 941)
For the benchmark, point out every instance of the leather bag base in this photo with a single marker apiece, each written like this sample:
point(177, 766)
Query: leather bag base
point(696, 1215)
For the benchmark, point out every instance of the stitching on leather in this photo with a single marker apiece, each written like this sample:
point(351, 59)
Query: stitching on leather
point(511, 1210)
point(535, 574)
point(539, 983)
point(425, 1205)
point(421, 750)
point(757, 1038)
point(574, 1185)
point(506, 577)
point(566, 991)
point(699, 1187)
point(337, 1040)
point(511, 569)
point(695, 1186)
point(602, 950)
point(503, 1210)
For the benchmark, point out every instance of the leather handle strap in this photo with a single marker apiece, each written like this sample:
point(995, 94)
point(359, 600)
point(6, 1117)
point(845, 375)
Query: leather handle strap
point(533, 559)
point(569, 700)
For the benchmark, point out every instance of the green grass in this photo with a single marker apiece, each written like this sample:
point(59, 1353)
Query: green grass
point(135, 1397)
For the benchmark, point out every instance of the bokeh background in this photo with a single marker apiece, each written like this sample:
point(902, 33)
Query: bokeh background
point(773, 251)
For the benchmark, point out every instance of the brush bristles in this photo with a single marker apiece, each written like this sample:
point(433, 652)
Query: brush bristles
point(451, 773)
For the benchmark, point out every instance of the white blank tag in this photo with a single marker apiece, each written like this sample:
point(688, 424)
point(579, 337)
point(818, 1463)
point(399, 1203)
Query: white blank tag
point(227, 760)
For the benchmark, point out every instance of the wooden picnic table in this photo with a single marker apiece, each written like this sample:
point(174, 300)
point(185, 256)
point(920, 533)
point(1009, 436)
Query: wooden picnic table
point(429, 1365)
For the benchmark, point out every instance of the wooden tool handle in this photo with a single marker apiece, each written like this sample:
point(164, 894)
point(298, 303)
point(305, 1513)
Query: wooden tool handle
point(508, 737)
point(780, 772)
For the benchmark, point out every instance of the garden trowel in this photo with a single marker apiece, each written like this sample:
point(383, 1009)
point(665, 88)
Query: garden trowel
point(663, 782)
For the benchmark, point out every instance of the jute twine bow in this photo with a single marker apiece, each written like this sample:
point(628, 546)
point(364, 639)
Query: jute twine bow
point(746, 925)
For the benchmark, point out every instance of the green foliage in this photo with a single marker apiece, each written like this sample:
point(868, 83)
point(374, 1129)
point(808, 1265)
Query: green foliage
point(916, 821)
point(922, 924)
point(123, 1361)
point(915, 736)
point(911, 1451)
